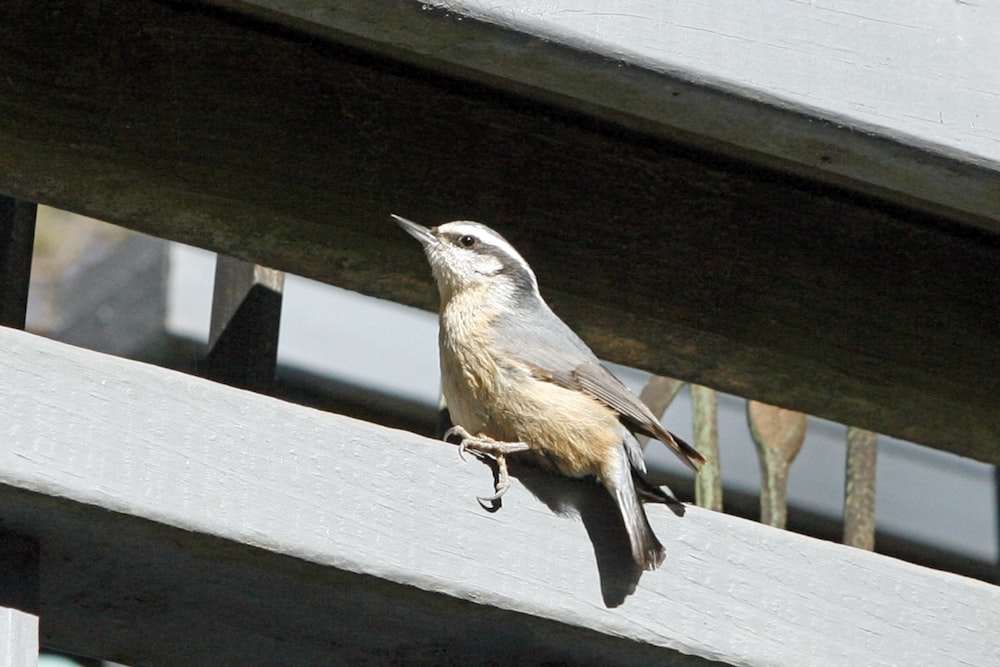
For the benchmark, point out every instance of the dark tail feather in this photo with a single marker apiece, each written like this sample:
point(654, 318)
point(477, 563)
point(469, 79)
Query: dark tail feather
point(649, 492)
point(646, 549)
point(691, 457)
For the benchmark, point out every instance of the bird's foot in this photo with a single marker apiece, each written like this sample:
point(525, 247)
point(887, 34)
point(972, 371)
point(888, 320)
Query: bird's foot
point(497, 449)
point(483, 444)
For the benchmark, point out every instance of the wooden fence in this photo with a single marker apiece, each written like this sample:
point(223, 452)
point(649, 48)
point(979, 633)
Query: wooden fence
point(813, 260)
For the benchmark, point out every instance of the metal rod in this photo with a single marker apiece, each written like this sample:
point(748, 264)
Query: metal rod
point(859, 494)
point(708, 483)
point(778, 435)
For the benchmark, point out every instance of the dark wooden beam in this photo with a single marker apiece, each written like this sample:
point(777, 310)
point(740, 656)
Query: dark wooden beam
point(290, 150)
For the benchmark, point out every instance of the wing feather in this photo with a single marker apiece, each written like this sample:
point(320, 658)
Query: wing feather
point(554, 353)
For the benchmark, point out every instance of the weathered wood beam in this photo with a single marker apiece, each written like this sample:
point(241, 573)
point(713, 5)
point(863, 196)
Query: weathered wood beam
point(880, 119)
point(287, 144)
point(234, 528)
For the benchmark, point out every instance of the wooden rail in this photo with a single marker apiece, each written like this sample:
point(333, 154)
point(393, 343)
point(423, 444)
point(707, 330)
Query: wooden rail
point(181, 521)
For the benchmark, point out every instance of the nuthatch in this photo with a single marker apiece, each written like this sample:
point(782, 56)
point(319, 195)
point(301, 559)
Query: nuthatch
point(517, 379)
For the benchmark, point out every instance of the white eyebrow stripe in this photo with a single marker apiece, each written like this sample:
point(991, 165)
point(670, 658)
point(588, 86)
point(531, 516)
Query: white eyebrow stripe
point(490, 238)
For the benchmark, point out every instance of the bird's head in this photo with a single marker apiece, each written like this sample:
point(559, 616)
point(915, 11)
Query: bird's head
point(465, 255)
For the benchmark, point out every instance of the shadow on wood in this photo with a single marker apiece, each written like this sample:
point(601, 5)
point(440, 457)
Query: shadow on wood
point(589, 502)
point(159, 595)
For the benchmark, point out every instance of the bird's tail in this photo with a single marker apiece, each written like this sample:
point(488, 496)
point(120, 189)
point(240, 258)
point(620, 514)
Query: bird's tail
point(646, 549)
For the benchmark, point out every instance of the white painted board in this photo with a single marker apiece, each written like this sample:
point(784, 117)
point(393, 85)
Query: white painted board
point(181, 451)
point(922, 69)
point(18, 638)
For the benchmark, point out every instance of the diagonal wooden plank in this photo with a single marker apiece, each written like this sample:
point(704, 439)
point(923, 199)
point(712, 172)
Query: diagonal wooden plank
point(719, 76)
point(331, 538)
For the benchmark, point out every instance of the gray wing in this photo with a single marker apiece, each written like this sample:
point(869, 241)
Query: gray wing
point(537, 337)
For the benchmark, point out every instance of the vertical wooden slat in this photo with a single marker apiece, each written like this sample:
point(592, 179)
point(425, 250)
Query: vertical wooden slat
point(19, 607)
point(778, 435)
point(658, 393)
point(708, 483)
point(859, 494)
point(17, 236)
point(246, 314)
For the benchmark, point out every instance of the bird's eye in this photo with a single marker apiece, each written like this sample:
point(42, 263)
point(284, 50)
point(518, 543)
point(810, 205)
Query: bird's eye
point(468, 240)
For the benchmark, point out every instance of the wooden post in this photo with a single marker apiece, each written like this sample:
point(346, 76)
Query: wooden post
point(18, 601)
point(17, 236)
point(859, 492)
point(246, 314)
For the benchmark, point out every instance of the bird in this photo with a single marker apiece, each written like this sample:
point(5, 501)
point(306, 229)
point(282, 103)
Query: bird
point(518, 381)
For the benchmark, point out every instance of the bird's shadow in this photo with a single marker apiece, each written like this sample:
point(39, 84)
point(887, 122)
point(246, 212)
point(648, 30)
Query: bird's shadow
point(619, 573)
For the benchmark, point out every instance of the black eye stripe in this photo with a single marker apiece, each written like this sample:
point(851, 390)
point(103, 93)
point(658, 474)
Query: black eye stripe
point(509, 265)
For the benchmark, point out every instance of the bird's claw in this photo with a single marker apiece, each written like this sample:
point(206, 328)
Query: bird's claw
point(485, 445)
point(489, 501)
point(503, 483)
point(463, 444)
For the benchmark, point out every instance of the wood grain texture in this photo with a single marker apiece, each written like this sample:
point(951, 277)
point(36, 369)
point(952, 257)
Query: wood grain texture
point(287, 143)
point(281, 514)
point(849, 94)
point(888, 68)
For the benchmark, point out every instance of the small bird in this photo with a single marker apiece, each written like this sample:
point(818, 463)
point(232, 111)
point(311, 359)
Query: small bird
point(517, 379)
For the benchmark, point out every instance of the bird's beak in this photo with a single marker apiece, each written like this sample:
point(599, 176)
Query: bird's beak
point(419, 232)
